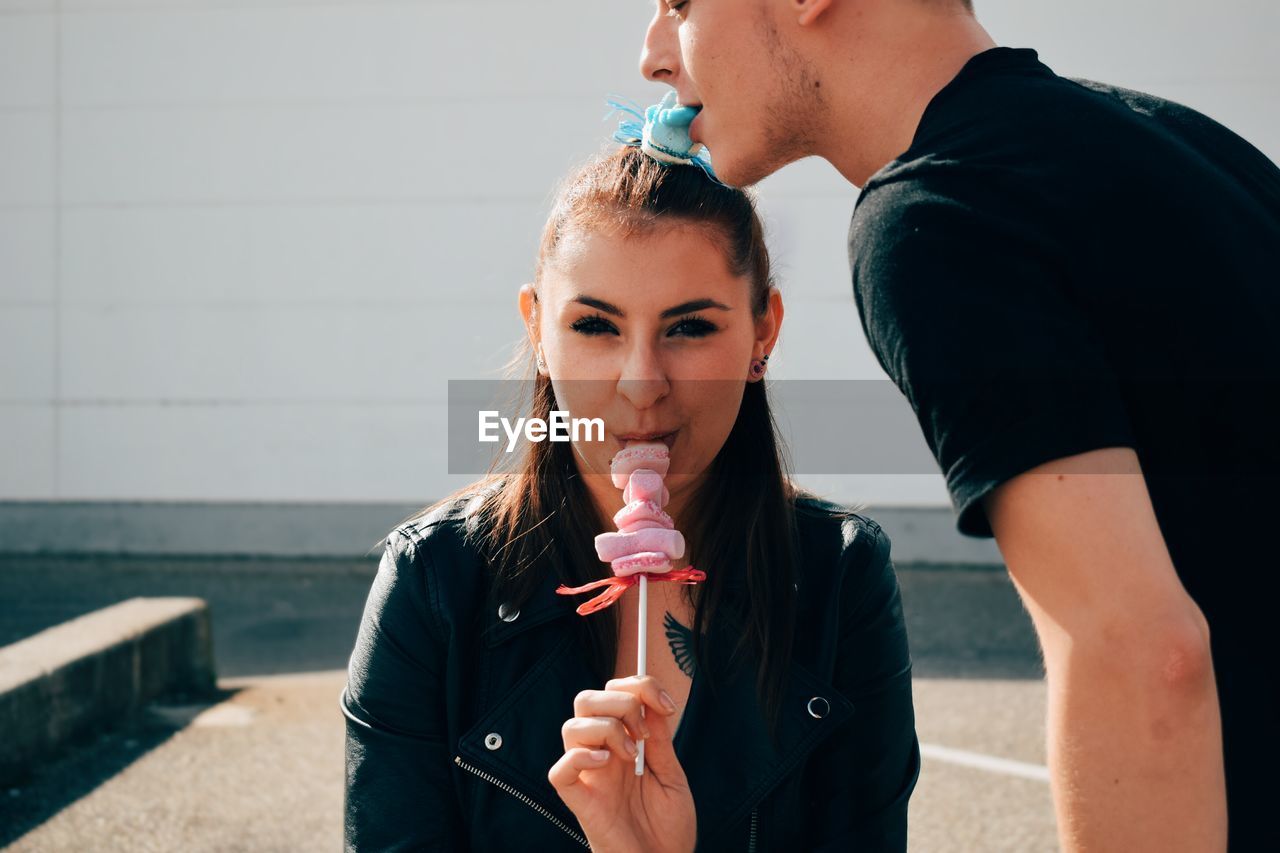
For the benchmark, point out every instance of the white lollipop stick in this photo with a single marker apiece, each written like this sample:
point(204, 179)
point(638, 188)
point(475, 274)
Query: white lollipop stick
point(653, 458)
point(642, 660)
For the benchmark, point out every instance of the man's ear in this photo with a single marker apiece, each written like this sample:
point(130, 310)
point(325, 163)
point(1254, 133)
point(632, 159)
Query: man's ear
point(808, 11)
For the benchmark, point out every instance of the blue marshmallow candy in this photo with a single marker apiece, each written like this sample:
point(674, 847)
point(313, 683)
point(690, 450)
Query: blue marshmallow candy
point(662, 132)
point(666, 131)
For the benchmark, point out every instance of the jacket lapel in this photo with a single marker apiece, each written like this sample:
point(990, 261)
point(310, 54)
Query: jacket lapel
point(725, 748)
point(527, 715)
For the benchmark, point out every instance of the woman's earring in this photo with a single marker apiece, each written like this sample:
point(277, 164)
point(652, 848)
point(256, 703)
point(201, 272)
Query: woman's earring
point(759, 366)
point(542, 365)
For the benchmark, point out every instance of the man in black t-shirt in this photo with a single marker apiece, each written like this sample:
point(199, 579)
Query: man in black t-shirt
point(1077, 287)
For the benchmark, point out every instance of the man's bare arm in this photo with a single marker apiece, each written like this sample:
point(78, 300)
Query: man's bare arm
point(1135, 740)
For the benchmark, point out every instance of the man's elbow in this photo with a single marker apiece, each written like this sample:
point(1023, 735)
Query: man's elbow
point(1185, 657)
point(1167, 660)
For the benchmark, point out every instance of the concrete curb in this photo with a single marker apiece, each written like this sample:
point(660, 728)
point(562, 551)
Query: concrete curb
point(97, 669)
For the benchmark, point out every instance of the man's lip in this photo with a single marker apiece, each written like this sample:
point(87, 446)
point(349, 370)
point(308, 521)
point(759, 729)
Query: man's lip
point(693, 128)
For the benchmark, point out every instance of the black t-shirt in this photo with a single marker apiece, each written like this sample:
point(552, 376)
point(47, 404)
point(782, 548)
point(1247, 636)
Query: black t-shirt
point(1056, 266)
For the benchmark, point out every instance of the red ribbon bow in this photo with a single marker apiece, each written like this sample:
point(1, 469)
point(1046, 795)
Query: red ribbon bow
point(617, 586)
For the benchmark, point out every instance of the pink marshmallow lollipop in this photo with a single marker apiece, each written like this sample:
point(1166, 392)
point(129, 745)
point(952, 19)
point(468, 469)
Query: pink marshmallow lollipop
point(652, 455)
point(643, 528)
point(646, 484)
point(643, 547)
point(613, 546)
point(641, 513)
point(647, 562)
point(646, 541)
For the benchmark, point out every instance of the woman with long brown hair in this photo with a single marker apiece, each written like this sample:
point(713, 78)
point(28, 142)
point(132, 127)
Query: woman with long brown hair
point(483, 713)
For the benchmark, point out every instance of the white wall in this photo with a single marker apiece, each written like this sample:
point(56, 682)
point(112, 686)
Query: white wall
point(243, 244)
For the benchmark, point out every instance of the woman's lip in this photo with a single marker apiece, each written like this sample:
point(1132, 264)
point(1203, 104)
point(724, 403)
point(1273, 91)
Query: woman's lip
point(667, 438)
point(693, 128)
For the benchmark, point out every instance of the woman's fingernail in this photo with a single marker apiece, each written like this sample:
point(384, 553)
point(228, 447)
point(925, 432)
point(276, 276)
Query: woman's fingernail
point(630, 745)
point(599, 754)
point(667, 701)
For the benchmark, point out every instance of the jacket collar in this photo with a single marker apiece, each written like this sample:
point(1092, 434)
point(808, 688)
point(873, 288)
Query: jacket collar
point(543, 606)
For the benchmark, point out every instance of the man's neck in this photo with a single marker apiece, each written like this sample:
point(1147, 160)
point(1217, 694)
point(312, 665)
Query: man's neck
point(866, 130)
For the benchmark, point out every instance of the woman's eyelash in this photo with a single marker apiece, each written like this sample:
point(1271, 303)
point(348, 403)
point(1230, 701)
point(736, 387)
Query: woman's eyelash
point(698, 326)
point(596, 324)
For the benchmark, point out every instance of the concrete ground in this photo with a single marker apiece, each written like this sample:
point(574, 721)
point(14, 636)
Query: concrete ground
point(260, 768)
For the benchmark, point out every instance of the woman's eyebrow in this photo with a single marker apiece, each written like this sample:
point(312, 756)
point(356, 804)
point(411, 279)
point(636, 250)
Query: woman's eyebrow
point(683, 308)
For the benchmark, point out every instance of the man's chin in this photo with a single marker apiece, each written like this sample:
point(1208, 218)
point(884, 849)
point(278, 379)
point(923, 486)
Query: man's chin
point(743, 172)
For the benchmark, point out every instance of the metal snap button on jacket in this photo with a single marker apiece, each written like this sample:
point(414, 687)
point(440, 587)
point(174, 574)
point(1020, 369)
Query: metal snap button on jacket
point(818, 707)
point(493, 740)
point(508, 614)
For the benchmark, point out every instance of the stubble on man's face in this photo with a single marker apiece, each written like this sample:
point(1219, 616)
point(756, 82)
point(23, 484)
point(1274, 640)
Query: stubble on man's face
point(789, 110)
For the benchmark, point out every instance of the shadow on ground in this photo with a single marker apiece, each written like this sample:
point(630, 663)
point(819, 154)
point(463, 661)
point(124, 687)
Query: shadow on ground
point(92, 759)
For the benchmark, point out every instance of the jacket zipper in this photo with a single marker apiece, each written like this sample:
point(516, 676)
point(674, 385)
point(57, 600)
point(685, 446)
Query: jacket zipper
point(576, 836)
point(751, 845)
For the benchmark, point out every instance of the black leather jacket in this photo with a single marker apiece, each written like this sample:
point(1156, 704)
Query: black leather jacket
point(451, 730)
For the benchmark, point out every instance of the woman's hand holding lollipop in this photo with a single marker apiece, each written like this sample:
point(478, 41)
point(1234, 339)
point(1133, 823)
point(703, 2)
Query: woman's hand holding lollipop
point(620, 811)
